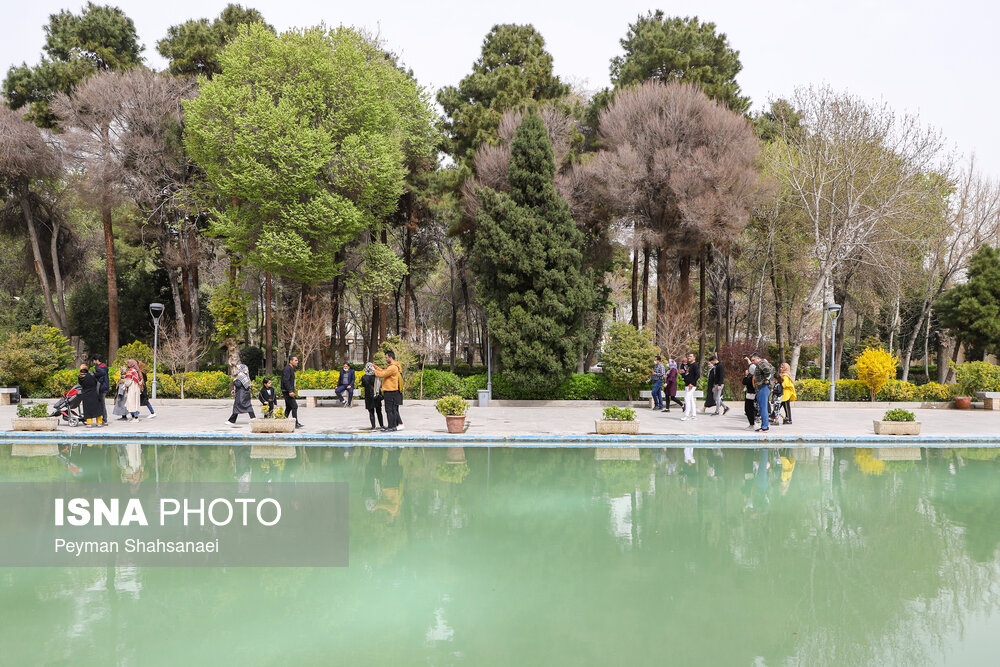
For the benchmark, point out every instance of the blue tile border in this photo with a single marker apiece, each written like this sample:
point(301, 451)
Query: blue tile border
point(430, 440)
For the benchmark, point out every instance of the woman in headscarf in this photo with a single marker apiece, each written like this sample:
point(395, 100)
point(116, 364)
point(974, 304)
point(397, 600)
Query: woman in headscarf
point(373, 395)
point(670, 386)
point(241, 394)
point(133, 389)
point(120, 395)
point(91, 397)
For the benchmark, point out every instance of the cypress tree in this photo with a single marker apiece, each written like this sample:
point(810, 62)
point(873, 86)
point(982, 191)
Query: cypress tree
point(528, 260)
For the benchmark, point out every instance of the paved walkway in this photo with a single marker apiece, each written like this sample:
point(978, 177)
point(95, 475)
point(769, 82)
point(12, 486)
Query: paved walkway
point(208, 417)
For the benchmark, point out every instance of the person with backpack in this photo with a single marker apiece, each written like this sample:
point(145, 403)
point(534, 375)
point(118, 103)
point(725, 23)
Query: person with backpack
point(749, 395)
point(763, 372)
point(392, 389)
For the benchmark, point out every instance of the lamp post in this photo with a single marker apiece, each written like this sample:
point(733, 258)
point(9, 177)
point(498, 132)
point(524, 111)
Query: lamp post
point(834, 310)
point(156, 310)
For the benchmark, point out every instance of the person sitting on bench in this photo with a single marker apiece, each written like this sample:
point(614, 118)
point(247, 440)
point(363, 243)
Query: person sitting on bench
point(345, 383)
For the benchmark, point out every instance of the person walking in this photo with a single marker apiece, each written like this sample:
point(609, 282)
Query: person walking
point(763, 372)
point(691, 376)
point(749, 395)
point(120, 395)
point(103, 385)
point(373, 396)
point(268, 401)
point(133, 390)
point(288, 390)
point(241, 395)
point(787, 391)
point(670, 386)
point(716, 385)
point(659, 375)
point(345, 382)
point(91, 397)
point(392, 384)
point(144, 395)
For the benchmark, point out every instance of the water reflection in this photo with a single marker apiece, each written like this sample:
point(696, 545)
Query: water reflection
point(713, 556)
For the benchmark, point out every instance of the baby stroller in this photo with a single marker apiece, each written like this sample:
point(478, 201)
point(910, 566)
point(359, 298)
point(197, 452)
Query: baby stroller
point(774, 405)
point(68, 407)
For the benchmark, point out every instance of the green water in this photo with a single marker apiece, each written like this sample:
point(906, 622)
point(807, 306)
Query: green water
point(554, 557)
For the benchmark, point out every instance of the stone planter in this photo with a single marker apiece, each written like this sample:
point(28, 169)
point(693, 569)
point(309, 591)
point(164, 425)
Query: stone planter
point(456, 423)
point(963, 402)
point(272, 451)
point(261, 425)
point(35, 423)
point(616, 426)
point(896, 428)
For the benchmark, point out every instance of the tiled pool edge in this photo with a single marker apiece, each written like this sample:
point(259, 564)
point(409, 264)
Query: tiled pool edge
point(526, 441)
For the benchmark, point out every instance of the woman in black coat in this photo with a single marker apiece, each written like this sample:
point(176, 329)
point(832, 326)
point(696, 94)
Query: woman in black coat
point(92, 399)
point(241, 394)
point(373, 396)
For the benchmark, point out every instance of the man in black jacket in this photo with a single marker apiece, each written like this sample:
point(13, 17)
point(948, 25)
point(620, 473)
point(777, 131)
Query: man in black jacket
point(691, 377)
point(716, 384)
point(345, 382)
point(288, 390)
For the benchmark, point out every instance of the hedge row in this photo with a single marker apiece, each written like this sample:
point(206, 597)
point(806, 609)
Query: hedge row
point(437, 383)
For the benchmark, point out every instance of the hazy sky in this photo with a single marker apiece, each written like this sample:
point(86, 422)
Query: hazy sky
point(930, 58)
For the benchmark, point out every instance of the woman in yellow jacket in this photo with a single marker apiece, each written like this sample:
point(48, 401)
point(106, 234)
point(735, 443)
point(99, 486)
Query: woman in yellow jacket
point(787, 392)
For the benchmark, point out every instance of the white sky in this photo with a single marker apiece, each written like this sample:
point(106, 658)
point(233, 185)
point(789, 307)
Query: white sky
point(936, 59)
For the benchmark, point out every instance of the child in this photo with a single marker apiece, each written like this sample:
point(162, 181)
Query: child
point(787, 392)
point(267, 398)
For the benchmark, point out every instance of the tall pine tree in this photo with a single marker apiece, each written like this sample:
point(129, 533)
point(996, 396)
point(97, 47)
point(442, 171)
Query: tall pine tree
point(527, 256)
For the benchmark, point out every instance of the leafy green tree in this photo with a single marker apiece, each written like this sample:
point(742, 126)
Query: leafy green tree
point(100, 38)
point(628, 356)
point(528, 260)
point(680, 49)
point(303, 137)
point(193, 47)
point(971, 311)
point(513, 71)
point(27, 358)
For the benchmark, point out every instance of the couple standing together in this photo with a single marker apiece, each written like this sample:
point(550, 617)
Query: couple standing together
point(665, 381)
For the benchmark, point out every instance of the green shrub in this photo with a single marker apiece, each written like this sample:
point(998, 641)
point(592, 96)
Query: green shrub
point(812, 390)
point(615, 413)
point(975, 376)
point(577, 387)
point(33, 411)
point(851, 390)
point(60, 382)
point(134, 350)
point(896, 390)
point(898, 415)
point(210, 384)
point(471, 386)
point(435, 384)
point(166, 386)
point(628, 357)
point(932, 391)
point(451, 406)
point(28, 358)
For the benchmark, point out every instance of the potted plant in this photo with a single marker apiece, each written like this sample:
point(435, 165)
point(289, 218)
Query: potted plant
point(617, 420)
point(453, 408)
point(272, 421)
point(34, 418)
point(972, 377)
point(897, 422)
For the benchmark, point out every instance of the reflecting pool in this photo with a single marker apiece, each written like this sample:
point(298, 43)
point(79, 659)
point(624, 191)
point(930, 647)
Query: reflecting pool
point(810, 556)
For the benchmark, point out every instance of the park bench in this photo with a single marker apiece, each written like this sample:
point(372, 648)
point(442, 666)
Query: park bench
point(991, 399)
point(8, 395)
point(311, 395)
point(648, 393)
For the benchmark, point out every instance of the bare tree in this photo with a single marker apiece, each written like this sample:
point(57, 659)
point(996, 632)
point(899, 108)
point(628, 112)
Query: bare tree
point(857, 172)
point(684, 167)
point(181, 351)
point(313, 323)
point(26, 156)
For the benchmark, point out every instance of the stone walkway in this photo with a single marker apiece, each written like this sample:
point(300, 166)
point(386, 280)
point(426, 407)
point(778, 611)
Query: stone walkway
point(194, 416)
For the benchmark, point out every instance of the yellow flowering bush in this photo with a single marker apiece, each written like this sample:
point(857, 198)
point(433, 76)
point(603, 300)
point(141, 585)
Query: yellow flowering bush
point(875, 368)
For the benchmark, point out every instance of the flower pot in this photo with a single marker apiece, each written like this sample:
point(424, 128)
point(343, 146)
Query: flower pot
point(456, 423)
point(35, 423)
point(963, 402)
point(261, 425)
point(616, 426)
point(896, 428)
point(455, 455)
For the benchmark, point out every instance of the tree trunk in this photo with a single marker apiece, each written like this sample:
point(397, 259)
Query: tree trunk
point(701, 305)
point(268, 343)
point(794, 362)
point(407, 258)
point(112, 276)
point(40, 271)
point(57, 276)
point(645, 285)
point(635, 287)
point(729, 295)
point(777, 317)
point(662, 275)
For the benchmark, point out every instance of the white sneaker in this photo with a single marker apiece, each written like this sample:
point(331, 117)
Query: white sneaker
point(152, 416)
point(684, 419)
point(399, 428)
